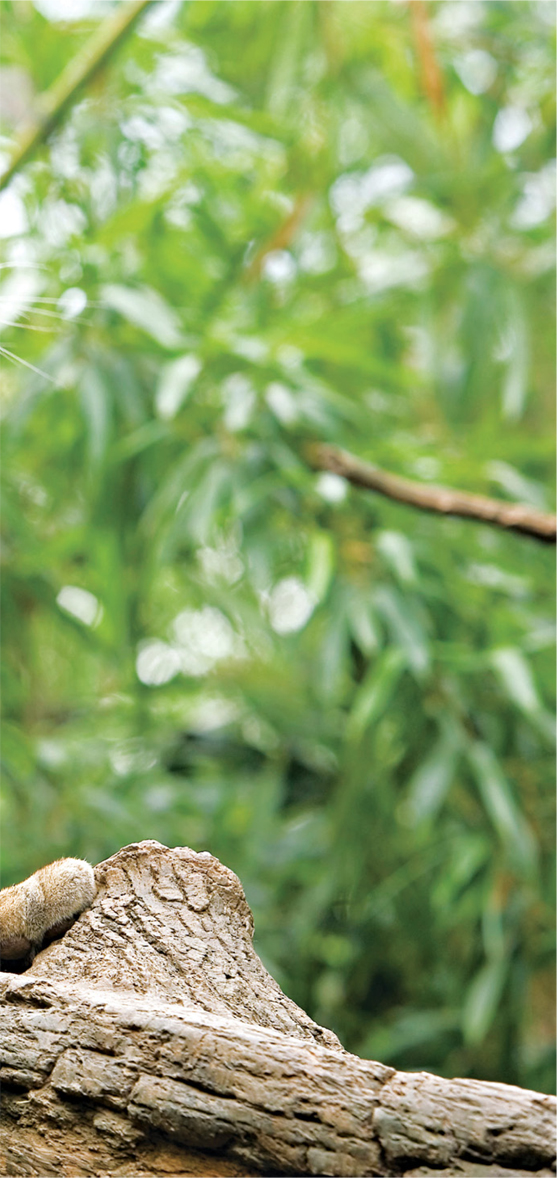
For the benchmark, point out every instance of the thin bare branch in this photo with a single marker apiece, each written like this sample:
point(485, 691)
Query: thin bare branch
point(432, 77)
point(283, 236)
point(513, 517)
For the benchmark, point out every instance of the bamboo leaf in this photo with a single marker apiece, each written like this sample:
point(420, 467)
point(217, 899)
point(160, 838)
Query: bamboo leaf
point(512, 828)
point(375, 693)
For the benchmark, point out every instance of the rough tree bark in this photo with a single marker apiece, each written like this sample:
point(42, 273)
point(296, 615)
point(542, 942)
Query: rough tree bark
point(151, 1040)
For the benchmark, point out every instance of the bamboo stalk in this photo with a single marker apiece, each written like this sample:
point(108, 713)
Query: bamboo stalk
point(53, 104)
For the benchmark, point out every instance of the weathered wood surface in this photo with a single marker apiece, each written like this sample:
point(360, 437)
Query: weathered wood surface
point(150, 1040)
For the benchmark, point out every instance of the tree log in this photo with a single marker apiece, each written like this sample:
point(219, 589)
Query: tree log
point(150, 1040)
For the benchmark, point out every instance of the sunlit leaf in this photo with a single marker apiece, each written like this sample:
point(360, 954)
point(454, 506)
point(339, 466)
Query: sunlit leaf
point(397, 551)
point(97, 408)
point(174, 385)
point(429, 785)
point(362, 620)
point(375, 693)
point(405, 624)
point(517, 680)
point(482, 999)
point(146, 309)
point(320, 564)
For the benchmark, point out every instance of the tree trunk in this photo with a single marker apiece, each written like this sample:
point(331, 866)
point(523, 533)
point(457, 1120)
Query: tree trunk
point(150, 1040)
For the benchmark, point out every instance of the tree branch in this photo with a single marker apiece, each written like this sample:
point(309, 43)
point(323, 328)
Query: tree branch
point(53, 104)
point(432, 78)
point(282, 236)
point(513, 517)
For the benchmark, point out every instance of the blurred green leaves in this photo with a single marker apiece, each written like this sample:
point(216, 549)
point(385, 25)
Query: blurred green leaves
point(145, 309)
point(253, 233)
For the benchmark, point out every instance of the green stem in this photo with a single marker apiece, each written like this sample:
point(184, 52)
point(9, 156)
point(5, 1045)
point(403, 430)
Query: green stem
point(53, 104)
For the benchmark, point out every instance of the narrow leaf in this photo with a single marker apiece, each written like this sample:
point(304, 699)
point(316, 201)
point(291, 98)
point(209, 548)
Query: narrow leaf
point(512, 828)
point(482, 1000)
point(375, 693)
point(145, 309)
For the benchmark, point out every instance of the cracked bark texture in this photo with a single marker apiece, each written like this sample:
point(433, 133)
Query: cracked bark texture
point(150, 1040)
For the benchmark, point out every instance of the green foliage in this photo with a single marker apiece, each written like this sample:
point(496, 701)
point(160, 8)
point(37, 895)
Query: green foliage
point(257, 230)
